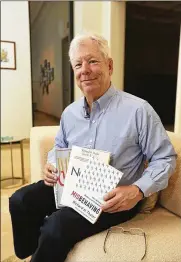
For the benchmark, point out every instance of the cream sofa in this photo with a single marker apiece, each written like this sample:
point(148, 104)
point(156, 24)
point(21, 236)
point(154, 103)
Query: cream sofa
point(162, 226)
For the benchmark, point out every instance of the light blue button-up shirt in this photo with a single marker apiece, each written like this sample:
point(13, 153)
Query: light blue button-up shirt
point(127, 127)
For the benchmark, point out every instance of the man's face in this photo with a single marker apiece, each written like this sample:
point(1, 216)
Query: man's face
point(92, 71)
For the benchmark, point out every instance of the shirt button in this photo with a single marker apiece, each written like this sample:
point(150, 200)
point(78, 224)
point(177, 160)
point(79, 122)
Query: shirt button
point(93, 121)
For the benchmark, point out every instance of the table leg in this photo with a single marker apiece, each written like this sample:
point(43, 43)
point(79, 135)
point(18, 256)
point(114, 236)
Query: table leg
point(11, 149)
point(22, 161)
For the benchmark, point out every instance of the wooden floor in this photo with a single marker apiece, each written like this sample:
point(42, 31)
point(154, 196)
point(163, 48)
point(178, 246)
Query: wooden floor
point(42, 119)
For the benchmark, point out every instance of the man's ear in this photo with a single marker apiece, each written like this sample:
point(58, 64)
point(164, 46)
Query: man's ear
point(110, 61)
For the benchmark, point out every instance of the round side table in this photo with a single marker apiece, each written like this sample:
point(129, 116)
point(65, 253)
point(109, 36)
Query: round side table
point(12, 141)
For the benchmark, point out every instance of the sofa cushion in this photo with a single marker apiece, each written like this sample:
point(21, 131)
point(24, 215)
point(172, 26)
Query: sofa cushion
point(161, 228)
point(170, 197)
point(148, 203)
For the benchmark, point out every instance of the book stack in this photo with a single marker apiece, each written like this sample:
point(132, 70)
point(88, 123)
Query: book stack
point(88, 178)
point(62, 162)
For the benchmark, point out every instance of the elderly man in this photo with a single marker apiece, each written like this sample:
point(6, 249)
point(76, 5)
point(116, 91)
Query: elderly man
point(105, 119)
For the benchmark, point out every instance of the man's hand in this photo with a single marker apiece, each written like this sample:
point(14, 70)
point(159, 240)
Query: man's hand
point(49, 178)
point(122, 198)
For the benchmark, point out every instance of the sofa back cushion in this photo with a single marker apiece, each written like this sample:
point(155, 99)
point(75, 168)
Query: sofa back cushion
point(42, 140)
point(170, 197)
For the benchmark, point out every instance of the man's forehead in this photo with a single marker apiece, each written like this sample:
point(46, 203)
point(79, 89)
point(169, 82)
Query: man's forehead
point(86, 48)
point(81, 53)
point(87, 56)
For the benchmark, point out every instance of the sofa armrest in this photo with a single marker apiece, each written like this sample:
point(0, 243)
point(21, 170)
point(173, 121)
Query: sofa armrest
point(41, 141)
point(170, 197)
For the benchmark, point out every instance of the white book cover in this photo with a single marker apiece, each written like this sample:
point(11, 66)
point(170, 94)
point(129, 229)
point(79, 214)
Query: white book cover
point(84, 191)
point(79, 157)
point(62, 160)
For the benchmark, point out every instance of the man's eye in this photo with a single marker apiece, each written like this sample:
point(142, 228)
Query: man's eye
point(93, 61)
point(78, 65)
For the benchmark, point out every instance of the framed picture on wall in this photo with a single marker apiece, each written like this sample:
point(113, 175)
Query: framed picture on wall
point(8, 55)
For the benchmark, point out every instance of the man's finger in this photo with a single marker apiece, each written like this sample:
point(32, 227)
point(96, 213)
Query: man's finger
point(107, 208)
point(48, 184)
point(114, 208)
point(119, 208)
point(52, 168)
point(50, 180)
point(50, 175)
point(109, 204)
point(110, 195)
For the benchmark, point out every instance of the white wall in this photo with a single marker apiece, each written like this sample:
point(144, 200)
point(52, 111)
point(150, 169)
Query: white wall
point(109, 21)
point(47, 32)
point(16, 109)
point(117, 41)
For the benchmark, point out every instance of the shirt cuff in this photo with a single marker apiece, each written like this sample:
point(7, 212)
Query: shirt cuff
point(51, 159)
point(146, 185)
point(53, 164)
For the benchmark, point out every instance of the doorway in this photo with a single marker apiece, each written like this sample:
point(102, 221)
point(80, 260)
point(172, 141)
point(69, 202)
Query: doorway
point(51, 30)
point(151, 55)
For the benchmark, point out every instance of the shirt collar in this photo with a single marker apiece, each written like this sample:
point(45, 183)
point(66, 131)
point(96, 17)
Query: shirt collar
point(102, 101)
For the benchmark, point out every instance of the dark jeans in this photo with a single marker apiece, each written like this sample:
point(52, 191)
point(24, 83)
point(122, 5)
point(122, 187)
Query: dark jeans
point(47, 233)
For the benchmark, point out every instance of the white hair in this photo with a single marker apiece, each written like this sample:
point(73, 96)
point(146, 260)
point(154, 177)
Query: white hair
point(80, 38)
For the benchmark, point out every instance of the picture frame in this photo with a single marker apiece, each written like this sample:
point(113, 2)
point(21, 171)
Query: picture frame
point(8, 55)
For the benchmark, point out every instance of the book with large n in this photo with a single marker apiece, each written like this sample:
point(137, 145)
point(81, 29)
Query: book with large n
point(79, 157)
point(89, 177)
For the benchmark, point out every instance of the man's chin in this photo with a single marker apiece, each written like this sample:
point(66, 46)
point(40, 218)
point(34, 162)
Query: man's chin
point(87, 89)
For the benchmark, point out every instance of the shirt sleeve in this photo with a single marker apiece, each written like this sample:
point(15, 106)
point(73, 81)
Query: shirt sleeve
point(60, 142)
point(157, 150)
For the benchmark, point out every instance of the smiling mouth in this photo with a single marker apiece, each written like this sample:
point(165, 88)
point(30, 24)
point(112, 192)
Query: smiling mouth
point(87, 80)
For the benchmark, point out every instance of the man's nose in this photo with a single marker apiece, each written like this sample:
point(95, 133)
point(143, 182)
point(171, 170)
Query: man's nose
point(85, 68)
